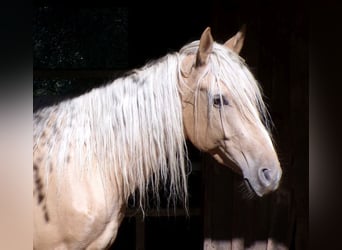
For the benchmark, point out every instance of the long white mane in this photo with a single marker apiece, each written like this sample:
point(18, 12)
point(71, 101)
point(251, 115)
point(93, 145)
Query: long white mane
point(132, 127)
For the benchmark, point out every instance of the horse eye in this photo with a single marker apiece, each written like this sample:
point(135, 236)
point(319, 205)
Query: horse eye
point(219, 101)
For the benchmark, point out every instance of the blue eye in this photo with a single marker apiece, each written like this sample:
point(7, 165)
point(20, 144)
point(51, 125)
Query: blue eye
point(219, 101)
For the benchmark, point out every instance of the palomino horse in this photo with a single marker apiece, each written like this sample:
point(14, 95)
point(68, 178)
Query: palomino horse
point(91, 153)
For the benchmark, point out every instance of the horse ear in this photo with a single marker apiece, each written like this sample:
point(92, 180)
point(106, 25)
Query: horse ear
point(205, 47)
point(235, 43)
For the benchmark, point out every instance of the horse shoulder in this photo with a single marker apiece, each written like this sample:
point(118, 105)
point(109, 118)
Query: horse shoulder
point(81, 213)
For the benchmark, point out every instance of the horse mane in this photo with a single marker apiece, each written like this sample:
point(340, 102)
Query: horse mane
point(132, 127)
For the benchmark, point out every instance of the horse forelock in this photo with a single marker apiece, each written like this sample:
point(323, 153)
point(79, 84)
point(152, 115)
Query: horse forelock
point(228, 68)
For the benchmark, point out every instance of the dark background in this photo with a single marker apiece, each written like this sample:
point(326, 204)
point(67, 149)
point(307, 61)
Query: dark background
point(76, 49)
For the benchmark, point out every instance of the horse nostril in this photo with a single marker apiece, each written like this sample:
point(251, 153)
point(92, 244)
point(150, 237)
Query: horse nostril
point(269, 178)
point(265, 175)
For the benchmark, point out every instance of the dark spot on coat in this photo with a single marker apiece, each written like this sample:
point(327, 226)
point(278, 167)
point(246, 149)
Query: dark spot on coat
point(55, 129)
point(46, 216)
point(39, 184)
point(138, 81)
point(40, 198)
point(38, 117)
point(39, 192)
point(135, 78)
point(43, 135)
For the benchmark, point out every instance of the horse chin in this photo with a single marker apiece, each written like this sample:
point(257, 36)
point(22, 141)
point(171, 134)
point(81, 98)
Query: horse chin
point(255, 186)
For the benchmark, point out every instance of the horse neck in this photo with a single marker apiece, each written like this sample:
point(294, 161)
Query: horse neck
point(137, 124)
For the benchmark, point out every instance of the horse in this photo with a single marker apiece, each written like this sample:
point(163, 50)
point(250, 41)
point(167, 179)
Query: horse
point(93, 152)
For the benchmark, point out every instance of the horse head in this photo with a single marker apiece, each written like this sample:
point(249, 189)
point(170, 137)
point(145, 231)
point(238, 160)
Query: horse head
point(223, 111)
